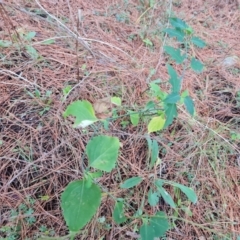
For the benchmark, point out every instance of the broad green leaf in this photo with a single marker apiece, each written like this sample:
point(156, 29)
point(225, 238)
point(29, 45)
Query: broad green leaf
point(102, 152)
point(48, 41)
point(5, 43)
point(118, 213)
point(178, 23)
point(29, 36)
point(79, 204)
point(154, 153)
point(147, 232)
point(167, 198)
point(83, 111)
point(134, 117)
point(159, 223)
point(189, 192)
point(196, 65)
point(175, 33)
point(156, 124)
point(131, 182)
point(172, 98)
point(171, 113)
point(175, 54)
point(32, 52)
point(174, 80)
point(189, 104)
point(198, 42)
point(153, 198)
point(116, 100)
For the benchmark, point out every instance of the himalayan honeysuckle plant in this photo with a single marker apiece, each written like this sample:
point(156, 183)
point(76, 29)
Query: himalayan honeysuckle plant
point(82, 198)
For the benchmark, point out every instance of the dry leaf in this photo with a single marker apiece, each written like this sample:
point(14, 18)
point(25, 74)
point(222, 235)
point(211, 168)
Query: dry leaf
point(103, 107)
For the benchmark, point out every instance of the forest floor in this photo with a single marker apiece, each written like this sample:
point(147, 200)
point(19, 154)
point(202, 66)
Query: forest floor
point(112, 48)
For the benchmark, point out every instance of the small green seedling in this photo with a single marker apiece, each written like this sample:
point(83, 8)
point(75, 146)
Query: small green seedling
point(81, 199)
point(23, 39)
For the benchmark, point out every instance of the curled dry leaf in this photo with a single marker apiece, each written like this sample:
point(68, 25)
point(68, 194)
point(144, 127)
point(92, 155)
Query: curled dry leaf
point(231, 61)
point(103, 107)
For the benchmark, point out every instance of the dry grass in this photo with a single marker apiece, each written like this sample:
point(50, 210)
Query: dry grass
point(41, 153)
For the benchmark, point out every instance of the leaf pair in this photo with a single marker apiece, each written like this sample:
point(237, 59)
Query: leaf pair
point(180, 30)
point(176, 55)
point(189, 192)
point(81, 199)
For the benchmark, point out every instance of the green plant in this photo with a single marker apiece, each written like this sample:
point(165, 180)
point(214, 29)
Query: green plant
point(22, 39)
point(24, 212)
point(82, 198)
point(45, 99)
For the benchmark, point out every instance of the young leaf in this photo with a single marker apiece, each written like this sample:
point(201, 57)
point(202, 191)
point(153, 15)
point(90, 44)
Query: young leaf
point(189, 104)
point(5, 43)
point(147, 232)
point(134, 117)
point(30, 36)
point(79, 203)
point(32, 52)
point(148, 42)
point(151, 3)
point(159, 182)
point(96, 174)
point(167, 198)
point(48, 41)
point(172, 98)
point(102, 152)
point(189, 192)
point(83, 111)
point(185, 93)
point(198, 42)
point(131, 182)
point(154, 153)
point(175, 33)
point(88, 180)
point(153, 198)
point(116, 100)
point(174, 80)
point(159, 223)
point(156, 91)
point(196, 65)
point(156, 124)
point(66, 90)
point(118, 213)
point(178, 23)
point(175, 54)
point(170, 112)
